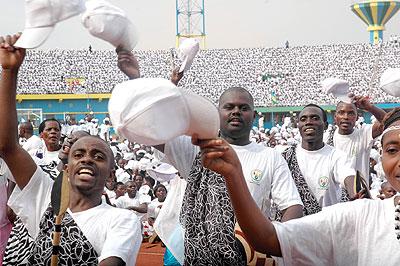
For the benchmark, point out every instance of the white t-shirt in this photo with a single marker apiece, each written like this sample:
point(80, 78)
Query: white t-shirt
point(324, 171)
point(359, 232)
point(125, 202)
point(357, 146)
point(266, 172)
point(154, 208)
point(33, 143)
point(111, 231)
point(44, 157)
point(105, 131)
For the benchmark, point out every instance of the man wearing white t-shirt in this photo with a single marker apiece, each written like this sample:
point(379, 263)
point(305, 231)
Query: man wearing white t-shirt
point(209, 221)
point(322, 167)
point(25, 130)
point(266, 172)
point(105, 129)
point(356, 142)
point(104, 235)
point(132, 200)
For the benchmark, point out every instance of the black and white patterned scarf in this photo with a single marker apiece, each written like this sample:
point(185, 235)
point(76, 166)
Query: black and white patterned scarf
point(331, 133)
point(20, 243)
point(75, 249)
point(344, 194)
point(311, 204)
point(208, 219)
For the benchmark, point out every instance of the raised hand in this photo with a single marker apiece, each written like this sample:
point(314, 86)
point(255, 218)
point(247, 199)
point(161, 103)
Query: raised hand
point(11, 57)
point(176, 76)
point(128, 63)
point(218, 156)
point(362, 102)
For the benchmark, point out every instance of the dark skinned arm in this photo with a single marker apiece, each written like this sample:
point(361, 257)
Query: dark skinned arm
point(217, 155)
point(13, 154)
point(292, 212)
point(351, 190)
point(128, 63)
point(364, 103)
point(176, 76)
point(142, 208)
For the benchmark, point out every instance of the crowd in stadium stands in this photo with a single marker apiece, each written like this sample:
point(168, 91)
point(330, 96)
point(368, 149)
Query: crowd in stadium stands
point(317, 165)
point(292, 74)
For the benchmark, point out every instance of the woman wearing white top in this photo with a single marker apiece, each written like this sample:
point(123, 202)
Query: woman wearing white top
point(155, 206)
point(361, 232)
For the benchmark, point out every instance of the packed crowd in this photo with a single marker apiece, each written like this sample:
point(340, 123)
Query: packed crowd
point(118, 188)
point(300, 69)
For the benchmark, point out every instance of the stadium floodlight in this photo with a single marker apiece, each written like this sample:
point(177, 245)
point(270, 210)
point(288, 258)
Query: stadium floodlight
point(375, 13)
point(190, 21)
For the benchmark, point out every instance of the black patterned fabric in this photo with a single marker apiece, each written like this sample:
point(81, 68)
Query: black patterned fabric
point(344, 194)
point(331, 133)
point(208, 219)
point(19, 245)
point(75, 249)
point(51, 169)
point(310, 203)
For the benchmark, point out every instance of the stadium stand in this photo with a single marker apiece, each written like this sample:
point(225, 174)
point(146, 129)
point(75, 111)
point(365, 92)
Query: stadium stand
point(275, 76)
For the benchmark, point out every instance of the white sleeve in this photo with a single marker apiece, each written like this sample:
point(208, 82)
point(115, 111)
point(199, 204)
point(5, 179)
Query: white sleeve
point(181, 154)
point(342, 168)
point(283, 189)
point(367, 135)
point(144, 199)
point(151, 210)
point(31, 202)
point(318, 239)
point(123, 240)
point(119, 203)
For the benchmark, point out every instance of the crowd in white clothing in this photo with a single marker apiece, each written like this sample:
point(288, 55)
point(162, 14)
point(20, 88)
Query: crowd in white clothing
point(292, 75)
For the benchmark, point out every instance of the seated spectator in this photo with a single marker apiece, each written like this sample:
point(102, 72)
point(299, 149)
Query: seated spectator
point(132, 200)
point(120, 190)
point(155, 206)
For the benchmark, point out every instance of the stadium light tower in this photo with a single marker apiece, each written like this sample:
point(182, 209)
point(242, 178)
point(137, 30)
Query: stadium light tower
point(190, 21)
point(375, 13)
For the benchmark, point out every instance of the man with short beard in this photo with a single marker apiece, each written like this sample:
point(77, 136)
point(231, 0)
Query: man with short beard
point(209, 222)
point(266, 172)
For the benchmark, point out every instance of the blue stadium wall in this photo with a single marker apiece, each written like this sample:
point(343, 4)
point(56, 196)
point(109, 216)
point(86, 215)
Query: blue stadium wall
point(79, 105)
point(61, 104)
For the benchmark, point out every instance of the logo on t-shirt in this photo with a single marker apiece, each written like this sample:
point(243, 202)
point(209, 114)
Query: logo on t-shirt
point(256, 176)
point(323, 182)
point(354, 152)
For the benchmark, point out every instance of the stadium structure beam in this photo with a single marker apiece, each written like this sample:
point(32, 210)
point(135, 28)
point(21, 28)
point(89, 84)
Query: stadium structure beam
point(190, 21)
point(375, 13)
